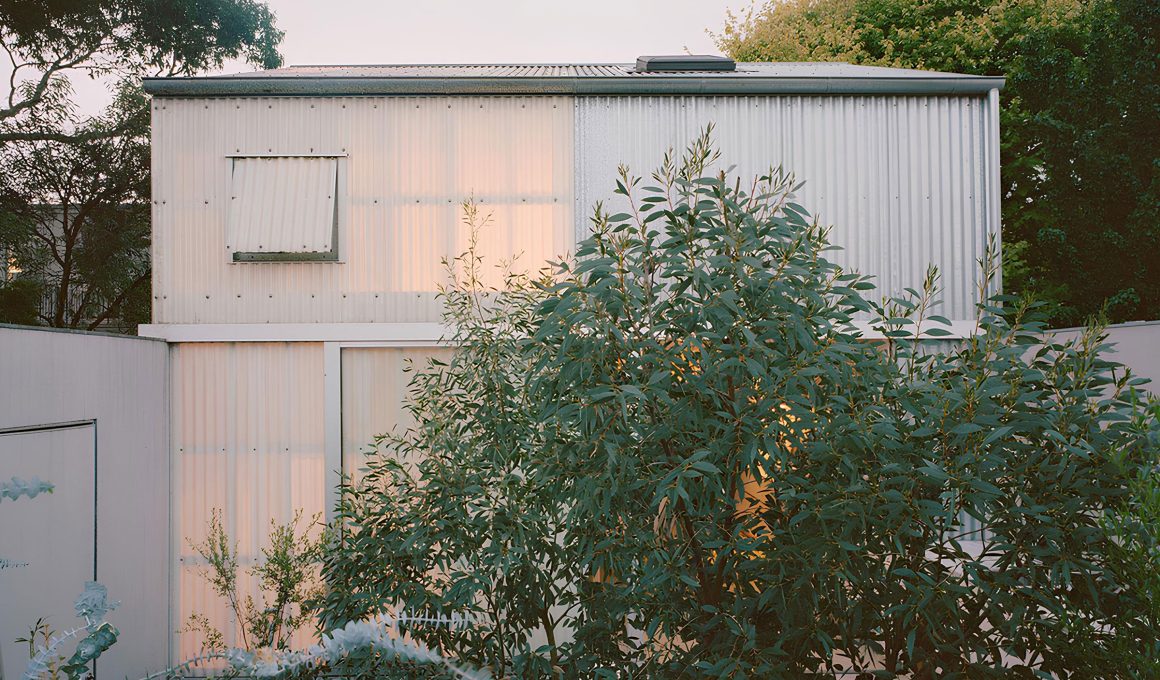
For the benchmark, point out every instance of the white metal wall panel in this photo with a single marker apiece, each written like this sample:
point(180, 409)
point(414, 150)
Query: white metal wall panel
point(410, 162)
point(51, 535)
point(248, 440)
point(903, 180)
point(120, 385)
point(282, 205)
point(375, 383)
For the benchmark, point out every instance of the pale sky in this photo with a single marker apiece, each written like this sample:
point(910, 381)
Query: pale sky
point(486, 31)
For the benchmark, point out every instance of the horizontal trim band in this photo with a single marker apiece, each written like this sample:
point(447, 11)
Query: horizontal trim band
point(420, 334)
point(402, 334)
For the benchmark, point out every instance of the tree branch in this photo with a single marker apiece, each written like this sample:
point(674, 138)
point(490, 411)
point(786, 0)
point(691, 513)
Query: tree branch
point(64, 137)
point(49, 70)
point(115, 305)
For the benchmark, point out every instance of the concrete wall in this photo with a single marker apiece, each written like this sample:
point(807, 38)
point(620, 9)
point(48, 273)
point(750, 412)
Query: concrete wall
point(88, 412)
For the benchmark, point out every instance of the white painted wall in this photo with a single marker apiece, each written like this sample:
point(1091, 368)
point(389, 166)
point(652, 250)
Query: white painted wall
point(118, 387)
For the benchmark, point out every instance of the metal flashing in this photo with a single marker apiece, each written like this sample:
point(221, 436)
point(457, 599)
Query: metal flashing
point(749, 78)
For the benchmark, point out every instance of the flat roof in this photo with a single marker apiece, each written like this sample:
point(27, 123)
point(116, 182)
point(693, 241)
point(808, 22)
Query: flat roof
point(573, 79)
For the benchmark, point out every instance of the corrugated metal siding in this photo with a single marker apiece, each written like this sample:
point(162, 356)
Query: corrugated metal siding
point(411, 161)
point(902, 179)
point(282, 205)
point(374, 388)
point(54, 376)
point(247, 423)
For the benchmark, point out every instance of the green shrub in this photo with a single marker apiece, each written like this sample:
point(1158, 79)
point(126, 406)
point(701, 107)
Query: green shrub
point(452, 515)
point(681, 452)
point(287, 579)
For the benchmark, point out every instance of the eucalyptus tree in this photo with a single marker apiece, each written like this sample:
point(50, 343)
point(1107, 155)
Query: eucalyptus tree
point(683, 450)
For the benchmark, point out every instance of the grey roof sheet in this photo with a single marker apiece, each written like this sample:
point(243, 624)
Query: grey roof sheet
point(402, 79)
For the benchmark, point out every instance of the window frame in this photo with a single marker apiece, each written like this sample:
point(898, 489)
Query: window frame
point(332, 256)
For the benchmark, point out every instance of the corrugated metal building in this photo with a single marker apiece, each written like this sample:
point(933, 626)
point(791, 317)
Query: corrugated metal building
point(300, 217)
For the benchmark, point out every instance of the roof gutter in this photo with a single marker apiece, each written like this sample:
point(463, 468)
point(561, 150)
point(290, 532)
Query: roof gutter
point(305, 86)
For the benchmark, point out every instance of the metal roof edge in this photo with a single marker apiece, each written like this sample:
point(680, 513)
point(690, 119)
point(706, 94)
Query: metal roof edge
point(242, 86)
point(72, 331)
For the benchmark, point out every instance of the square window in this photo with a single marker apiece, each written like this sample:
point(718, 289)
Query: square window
point(283, 209)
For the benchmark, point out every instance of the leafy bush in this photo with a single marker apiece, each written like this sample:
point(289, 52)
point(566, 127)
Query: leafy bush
point(453, 515)
point(686, 454)
point(287, 577)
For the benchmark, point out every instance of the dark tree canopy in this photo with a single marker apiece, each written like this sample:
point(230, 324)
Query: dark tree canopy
point(47, 39)
point(74, 197)
point(76, 222)
point(1080, 128)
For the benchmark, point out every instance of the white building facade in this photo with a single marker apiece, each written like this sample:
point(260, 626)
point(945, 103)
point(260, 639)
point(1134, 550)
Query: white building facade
point(301, 216)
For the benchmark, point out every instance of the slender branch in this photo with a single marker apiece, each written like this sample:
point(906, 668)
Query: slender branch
point(50, 69)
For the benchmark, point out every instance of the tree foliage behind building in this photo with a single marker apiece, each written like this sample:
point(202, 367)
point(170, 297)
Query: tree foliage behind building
point(1080, 129)
point(74, 197)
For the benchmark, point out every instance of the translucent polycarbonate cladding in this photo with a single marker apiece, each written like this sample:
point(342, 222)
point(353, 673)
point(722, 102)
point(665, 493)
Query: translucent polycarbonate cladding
point(405, 166)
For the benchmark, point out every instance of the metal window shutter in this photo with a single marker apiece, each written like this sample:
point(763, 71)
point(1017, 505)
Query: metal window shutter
point(282, 205)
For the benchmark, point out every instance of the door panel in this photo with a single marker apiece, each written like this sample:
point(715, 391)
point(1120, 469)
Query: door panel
point(54, 534)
